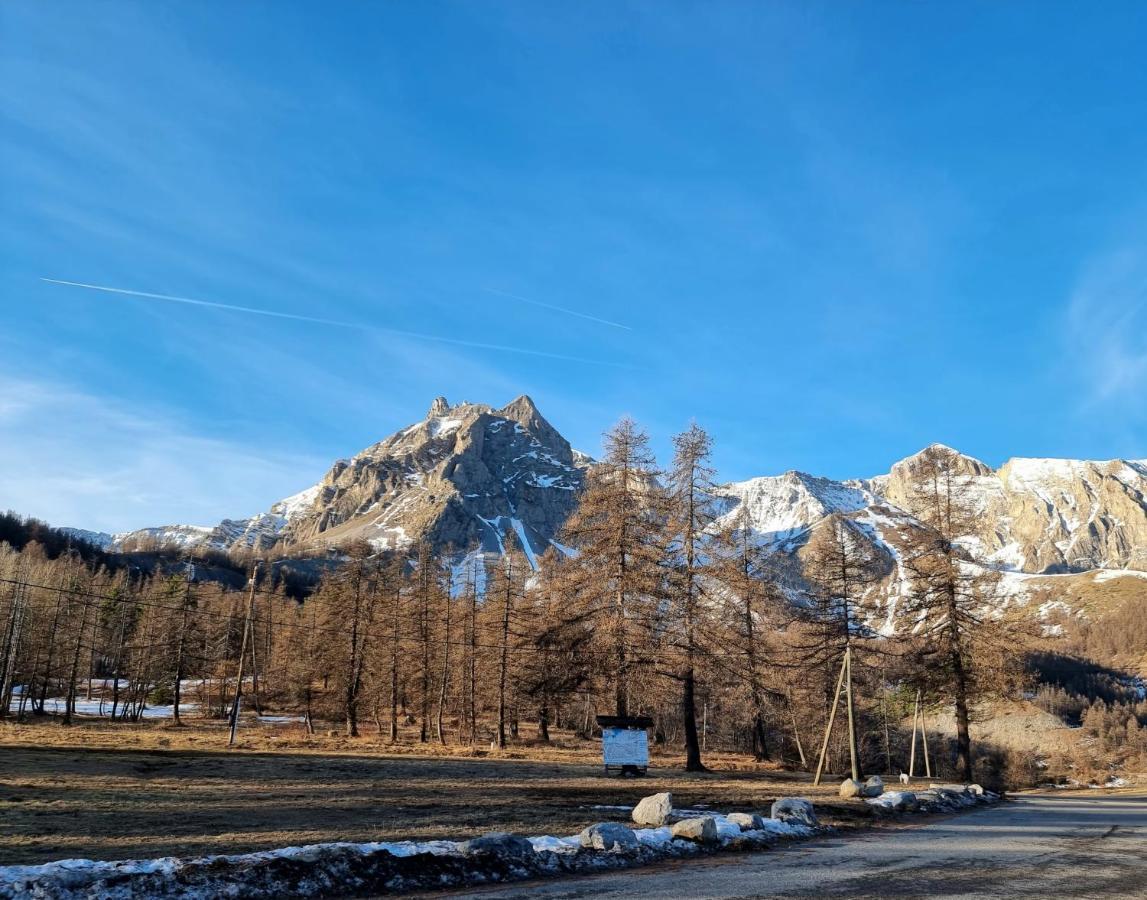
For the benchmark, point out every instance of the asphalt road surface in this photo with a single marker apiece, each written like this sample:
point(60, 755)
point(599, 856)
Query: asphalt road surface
point(1058, 846)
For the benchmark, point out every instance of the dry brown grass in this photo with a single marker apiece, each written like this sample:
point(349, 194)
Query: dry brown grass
point(118, 791)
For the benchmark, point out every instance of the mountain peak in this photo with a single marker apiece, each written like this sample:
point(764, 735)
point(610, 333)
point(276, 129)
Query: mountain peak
point(523, 410)
point(440, 407)
point(521, 406)
point(964, 464)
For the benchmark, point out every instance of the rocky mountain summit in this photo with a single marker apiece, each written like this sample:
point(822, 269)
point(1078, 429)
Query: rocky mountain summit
point(462, 477)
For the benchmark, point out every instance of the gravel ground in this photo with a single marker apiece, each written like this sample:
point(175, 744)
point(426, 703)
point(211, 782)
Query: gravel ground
point(1083, 845)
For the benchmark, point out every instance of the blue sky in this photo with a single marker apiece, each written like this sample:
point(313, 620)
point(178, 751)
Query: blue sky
point(837, 232)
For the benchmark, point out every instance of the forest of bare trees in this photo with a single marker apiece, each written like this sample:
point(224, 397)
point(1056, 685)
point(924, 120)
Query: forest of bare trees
point(656, 611)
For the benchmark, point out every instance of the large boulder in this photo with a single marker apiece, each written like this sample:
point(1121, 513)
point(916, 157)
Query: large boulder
point(899, 801)
point(653, 811)
point(702, 830)
point(850, 788)
point(610, 836)
point(500, 845)
point(746, 821)
point(794, 809)
point(873, 787)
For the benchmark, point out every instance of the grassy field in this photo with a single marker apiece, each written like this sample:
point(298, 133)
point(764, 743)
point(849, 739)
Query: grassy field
point(117, 791)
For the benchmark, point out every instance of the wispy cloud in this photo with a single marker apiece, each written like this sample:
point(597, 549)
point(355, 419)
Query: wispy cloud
point(72, 458)
point(1106, 328)
point(275, 314)
point(561, 309)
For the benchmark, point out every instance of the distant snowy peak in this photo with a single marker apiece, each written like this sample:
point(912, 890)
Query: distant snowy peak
point(781, 506)
point(1032, 515)
point(297, 504)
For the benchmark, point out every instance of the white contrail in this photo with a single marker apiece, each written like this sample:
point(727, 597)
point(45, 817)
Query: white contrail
point(335, 323)
point(561, 309)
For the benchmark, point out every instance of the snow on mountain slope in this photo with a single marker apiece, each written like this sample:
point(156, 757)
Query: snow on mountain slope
point(1044, 525)
point(1046, 515)
point(464, 476)
point(781, 507)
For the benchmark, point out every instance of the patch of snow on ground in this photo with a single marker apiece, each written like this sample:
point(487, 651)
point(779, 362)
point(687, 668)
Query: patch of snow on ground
point(888, 800)
point(58, 706)
point(654, 837)
point(1111, 574)
point(555, 844)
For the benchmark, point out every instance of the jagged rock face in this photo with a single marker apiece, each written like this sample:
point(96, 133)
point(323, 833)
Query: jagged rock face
point(1046, 515)
point(464, 476)
point(1035, 519)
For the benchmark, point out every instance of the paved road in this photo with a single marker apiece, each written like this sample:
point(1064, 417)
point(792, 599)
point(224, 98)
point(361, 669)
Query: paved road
point(1038, 846)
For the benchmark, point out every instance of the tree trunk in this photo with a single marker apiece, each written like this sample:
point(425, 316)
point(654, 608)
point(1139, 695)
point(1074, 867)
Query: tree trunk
point(689, 714)
point(394, 650)
point(70, 704)
point(504, 662)
point(445, 676)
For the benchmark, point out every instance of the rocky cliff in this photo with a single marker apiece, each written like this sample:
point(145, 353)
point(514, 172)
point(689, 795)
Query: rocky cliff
point(464, 477)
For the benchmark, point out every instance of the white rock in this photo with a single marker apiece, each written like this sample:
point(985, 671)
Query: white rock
point(611, 836)
point(850, 788)
point(746, 821)
point(703, 829)
point(794, 809)
point(653, 811)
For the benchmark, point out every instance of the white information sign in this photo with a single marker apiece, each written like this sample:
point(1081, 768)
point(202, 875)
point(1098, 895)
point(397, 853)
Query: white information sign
point(625, 746)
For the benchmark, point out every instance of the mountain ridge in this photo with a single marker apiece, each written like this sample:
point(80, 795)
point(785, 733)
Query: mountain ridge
point(467, 474)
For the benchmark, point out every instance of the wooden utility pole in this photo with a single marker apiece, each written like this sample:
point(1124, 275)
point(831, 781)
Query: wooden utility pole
point(912, 752)
point(853, 745)
point(918, 715)
point(843, 684)
point(831, 722)
point(924, 738)
point(243, 654)
point(796, 731)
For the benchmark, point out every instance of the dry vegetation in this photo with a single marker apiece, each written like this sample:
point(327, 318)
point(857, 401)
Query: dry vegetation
point(115, 791)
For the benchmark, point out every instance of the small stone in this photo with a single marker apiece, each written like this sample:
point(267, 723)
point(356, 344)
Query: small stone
point(746, 821)
point(703, 829)
point(500, 844)
point(794, 809)
point(975, 789)
point(653, 811)
point(610, 836)
point(850, 788)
